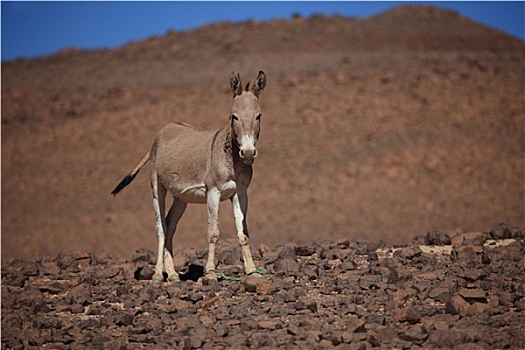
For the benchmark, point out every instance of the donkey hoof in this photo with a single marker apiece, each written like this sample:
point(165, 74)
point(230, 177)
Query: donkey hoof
point(157, 278)
point(211, 275)
point(174, 278)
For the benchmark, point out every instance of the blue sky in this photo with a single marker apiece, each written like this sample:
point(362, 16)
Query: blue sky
point(31, 29)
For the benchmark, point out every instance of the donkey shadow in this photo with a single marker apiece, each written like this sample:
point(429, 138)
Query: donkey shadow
point(193, 274)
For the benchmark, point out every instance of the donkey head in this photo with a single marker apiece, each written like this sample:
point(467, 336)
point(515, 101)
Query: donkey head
point(245, 116)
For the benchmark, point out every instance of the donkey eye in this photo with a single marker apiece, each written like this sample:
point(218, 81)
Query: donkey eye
point(233, 117)
point(258, 118)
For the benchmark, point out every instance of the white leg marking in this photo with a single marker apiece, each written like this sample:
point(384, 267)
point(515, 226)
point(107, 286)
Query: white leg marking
point(159, 195)
point(240, 210)
point(212, 200)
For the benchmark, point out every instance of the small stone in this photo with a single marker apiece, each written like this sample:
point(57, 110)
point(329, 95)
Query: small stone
point(285, 252)
point(206, 321)
point(349, 265)
point(257, 284)
point(477, 308)
point(408, 252)
point(143, 254)
point(192, 343)
point(500, 231)
point(355, 325)
point(440, 294)
point(347, 337)
point(438, 238)
point(409, 314)
point(456, 305)
point(293, 329)
point(83, 258)
point(286, 265)
point(304, 250)
point(269, 324)
point(144, 273)
point(473, 295)
point(76, 308)
point(377, 319)
point(448, 339)
point(66, 261)
point(474, 238)
point(124, 320)
point(415, 334)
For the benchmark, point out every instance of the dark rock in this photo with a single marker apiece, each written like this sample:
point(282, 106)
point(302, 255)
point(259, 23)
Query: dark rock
point(355, 325)
point(517, 232)
point(125, 319)
point(370, 282)
point(229, 257)
point(418, 240)
point(409, 314)
point(76, 308)
point(286, 265)
point(285, 252)
point(474, 238)
point(416, 334)
point(66, 262)
point(456, 305)
point(261, 285)
point(440, 294)
point(377, 319)
point(365, 247)
point(348, 265)
point(304, 250)
point(408, 252)
point(501, 231)
point(437, 238)
point(473, 295)
point(449, 339)
point(144, 255)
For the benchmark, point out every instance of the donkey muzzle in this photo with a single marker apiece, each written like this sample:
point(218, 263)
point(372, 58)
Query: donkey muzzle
point(248, 155)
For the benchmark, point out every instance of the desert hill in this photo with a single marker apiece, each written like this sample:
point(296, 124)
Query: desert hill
point(376, 128)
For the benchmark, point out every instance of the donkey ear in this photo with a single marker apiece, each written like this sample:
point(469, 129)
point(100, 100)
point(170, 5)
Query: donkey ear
point(260, 83)
point(235, 84)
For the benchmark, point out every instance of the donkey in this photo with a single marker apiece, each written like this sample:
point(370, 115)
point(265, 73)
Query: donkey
point(204, 167)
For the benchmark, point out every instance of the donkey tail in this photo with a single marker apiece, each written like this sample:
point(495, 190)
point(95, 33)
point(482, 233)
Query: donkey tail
point(127, 180)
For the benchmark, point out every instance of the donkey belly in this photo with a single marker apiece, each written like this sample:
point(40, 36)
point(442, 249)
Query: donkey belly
point(196, 193)
point(190, 193)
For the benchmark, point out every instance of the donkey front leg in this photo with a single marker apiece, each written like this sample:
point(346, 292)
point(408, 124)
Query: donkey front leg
point(213, 198)
point(240, 209)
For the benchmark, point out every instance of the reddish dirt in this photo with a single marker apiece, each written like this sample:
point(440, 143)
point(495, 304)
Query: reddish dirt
point(373, 129)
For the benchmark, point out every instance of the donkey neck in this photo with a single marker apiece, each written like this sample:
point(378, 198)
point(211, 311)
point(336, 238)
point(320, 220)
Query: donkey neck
point(226, 153)
point(231, 148)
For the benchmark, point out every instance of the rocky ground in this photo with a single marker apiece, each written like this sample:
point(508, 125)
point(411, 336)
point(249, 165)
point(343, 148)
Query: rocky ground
point(461, 290)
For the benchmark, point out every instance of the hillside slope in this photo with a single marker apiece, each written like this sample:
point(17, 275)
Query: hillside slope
point(378, 128)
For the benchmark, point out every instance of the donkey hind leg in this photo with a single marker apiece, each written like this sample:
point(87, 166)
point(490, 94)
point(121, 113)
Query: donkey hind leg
point(212, 200)
point(159, 199)
point(176, 211)
point(240, 209)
